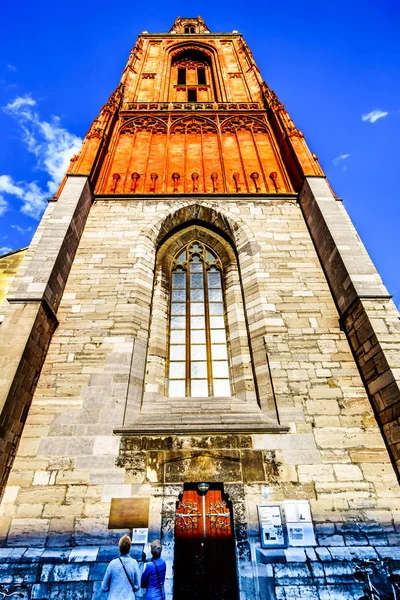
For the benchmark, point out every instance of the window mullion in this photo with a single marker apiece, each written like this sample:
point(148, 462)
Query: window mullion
point(188, 346)
point(171, 287)
point(228, 343)
point(208, 336)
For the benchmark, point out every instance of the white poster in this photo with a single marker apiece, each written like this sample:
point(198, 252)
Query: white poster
point(139, 536)
point(271, 528)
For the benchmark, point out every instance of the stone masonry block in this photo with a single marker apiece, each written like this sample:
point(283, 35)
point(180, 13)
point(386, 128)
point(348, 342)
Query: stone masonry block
point(65, 572)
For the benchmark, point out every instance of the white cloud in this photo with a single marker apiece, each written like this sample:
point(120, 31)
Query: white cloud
point(18, 103)
point(32, 197)
point(338, 159)
point(6, 85)
point(34, 201)
point(3, 205)
point(5, 250)
point(8, 186)
point(11, 67)
point(374, 115)
point(53, 147)
point(21, 229)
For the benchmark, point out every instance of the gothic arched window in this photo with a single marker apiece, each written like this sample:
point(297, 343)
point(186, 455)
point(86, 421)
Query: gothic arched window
point(191, 70)
point(198, 354)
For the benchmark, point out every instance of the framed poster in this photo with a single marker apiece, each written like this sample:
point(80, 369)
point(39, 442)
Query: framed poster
point(271, 526)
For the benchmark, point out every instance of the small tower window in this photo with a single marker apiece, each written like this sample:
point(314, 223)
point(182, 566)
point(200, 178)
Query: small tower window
point(189, 29)
point(191, 69)
point(192, 95)
point(201, 76)
point(181, 76)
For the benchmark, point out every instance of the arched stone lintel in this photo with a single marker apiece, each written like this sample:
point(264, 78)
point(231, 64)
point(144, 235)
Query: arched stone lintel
point(238, 233)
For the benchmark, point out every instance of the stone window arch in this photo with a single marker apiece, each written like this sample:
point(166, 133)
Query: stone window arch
point(192, 71)
point(242, 383)
point(198, 364)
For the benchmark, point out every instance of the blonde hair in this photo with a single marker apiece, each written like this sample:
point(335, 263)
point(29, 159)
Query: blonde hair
point(125, 544)
point(156, 548)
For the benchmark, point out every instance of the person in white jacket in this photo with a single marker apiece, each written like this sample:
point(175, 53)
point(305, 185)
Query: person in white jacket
point(122, 577)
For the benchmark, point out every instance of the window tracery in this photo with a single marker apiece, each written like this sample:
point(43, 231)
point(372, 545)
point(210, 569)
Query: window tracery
point(194, 125)
point(243, 123)
point(191, 67)
point(198, 353)
point(147, 124)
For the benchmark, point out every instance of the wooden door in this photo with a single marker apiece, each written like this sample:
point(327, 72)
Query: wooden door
point(205, 562)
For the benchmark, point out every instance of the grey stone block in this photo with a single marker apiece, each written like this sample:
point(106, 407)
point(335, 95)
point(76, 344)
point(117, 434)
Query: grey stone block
point(40, 591)
point(97, 571)
point(16, 555)
point(53, 446)
point(310, 456)
point(18, 572)
point(323, 554)
point(97, 593)
point(83, 554)
point(107, 553)
point(55, 555)
point(392, 552)
point(78, 590)
point(65, 572)
point(350, 553)
point(33, 554)
point(6, 575)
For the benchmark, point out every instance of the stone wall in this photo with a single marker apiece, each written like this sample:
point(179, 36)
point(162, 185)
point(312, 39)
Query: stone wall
point(368, 315)
point(9, 265)
point(70, 464)
point(157, 467)
point(30, 307)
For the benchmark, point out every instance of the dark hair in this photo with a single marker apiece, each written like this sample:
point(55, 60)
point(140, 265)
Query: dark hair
point(125, 544)
point(156, 548)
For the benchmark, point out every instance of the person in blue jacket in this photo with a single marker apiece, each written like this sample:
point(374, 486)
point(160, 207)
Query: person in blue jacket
point(153, 576)
point(122, 577)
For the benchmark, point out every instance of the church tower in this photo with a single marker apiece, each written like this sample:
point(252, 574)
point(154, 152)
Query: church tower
point(197, 347)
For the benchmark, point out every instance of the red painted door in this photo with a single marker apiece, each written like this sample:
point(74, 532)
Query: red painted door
point(205, 562)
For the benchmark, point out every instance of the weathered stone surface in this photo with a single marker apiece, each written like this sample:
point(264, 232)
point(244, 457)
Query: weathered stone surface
point(252, 465)
point(65, 573)
point(197, 466)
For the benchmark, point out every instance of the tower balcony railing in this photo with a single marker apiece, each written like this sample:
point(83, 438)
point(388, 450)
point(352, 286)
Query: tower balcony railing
point(191, 106)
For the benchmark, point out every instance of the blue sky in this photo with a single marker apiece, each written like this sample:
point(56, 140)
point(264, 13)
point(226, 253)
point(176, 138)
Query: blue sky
point(330, 64)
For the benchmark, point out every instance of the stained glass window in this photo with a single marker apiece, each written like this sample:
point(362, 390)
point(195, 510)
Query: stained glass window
point(198, 364)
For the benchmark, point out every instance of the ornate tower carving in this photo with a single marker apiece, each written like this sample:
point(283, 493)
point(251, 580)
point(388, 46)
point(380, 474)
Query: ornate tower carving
point(194, 102)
